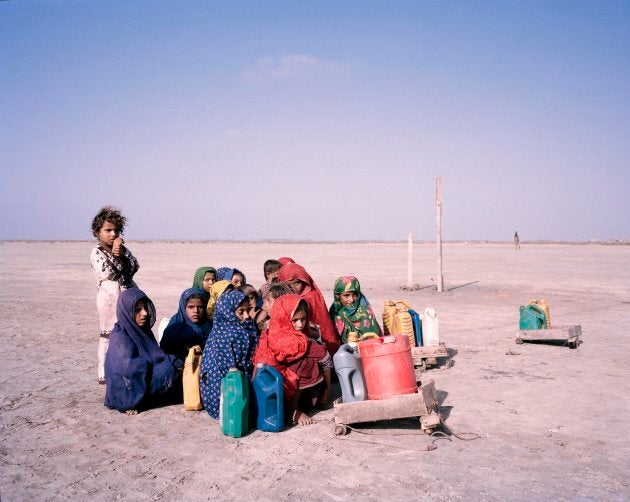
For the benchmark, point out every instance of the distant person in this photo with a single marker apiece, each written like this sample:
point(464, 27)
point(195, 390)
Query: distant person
point(114, 267)
point(351, 311)
point(139, 373)
point(189, 327)
point(303, 362)
point(517, 242)
point(231, 344)
point(204, 278)
point(302, 284)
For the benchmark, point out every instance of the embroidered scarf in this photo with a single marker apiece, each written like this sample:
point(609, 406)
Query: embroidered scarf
point(357, 317)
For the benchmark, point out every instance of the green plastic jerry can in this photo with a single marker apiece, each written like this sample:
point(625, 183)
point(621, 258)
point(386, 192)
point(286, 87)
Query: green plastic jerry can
point(234, 407)
point(532, 317)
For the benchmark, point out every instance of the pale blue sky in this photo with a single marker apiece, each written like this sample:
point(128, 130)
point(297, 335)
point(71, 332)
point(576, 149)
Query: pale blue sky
point(315, 120)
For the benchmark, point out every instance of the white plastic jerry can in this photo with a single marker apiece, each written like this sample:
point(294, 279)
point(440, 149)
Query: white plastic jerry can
point(430, 328)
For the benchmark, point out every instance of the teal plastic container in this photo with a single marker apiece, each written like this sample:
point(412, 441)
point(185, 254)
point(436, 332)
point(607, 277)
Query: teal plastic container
point(349, 370)
point(234, 407)
point(532, 317)
point(268, 407)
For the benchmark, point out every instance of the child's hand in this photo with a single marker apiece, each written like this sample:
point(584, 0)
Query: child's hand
point(117, 246)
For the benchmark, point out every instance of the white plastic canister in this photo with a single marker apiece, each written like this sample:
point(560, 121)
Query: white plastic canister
point(430, 329)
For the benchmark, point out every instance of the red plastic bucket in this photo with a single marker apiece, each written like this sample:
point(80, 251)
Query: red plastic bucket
point(388, 366)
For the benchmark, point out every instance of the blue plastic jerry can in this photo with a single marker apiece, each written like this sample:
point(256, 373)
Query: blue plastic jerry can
point(417, 326)
point(268, 405)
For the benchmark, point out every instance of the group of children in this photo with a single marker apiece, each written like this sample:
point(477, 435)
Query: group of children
point(285, 324)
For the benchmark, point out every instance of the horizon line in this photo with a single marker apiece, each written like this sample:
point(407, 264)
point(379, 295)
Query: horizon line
point(330, 241)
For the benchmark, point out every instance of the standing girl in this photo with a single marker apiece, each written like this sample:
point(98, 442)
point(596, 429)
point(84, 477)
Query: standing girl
point(114, 267)
point(231, 345)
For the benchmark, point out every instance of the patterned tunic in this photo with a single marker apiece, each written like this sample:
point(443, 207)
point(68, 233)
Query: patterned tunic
point(231, 344)
point(112, 276)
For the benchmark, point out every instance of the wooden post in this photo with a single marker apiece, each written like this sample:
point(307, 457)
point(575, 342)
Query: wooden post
point(438, 220)
point(410, 261)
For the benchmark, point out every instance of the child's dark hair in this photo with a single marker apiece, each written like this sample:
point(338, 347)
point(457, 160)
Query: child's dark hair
point(279, 289)
point(302, 306)
point(196, 296)
point(248, 289)
point(111, 214)
point(271, 266)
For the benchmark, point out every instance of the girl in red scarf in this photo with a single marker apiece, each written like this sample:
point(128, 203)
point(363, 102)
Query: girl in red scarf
point(303, 285)
point(303, 362)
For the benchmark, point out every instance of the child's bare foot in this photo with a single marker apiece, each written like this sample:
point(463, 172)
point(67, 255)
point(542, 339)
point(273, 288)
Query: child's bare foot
point(301, 418)
point(131, 412)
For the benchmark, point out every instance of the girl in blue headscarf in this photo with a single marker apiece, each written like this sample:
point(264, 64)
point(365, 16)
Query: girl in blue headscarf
point(231, 274)
point(231, 344)
point(189, 327)
point(137, 370)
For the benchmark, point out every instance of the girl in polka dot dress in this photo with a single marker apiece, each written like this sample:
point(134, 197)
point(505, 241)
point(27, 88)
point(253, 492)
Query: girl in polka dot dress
point(231, 344)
